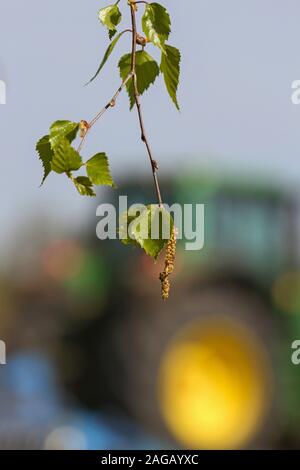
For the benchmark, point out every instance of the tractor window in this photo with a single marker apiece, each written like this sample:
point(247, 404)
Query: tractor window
point(252, 230)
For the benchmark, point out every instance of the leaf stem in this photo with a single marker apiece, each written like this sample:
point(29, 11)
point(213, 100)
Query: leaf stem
point(153, 162)
point(132, 75)
point(110, 104)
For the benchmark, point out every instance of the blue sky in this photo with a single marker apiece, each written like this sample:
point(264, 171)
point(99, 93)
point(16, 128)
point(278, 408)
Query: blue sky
point(239, 59)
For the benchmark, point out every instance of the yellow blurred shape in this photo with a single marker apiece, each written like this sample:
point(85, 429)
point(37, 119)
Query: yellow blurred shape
point(213, 385)
point(286, 292)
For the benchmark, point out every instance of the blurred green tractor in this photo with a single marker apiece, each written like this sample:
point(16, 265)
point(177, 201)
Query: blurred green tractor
point(210, 368)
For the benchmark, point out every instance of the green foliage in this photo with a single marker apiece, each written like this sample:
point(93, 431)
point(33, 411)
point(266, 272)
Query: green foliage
point(84, 186)
point(55, 150)
point(110, 17)
point(98, 170)
point(156, 24)
point(66, 158)
point(61, 129)
point(106, 55)
point(147, 71)
point(124, 224)
point(170, 67)
point(150, 228)
point(57, 153)
point(44, 149)
point(47, 146)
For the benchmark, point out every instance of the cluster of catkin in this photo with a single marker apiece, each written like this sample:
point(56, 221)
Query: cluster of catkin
point(169, 266)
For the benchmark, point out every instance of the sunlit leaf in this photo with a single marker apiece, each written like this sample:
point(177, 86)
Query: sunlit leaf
point(170, 67)
point(110, 17)
point(84, 186)
point(106, 55)
point(124, 221)
point(60, 129)
point(66, 158)
point(146, 70)
point(150, 228)
point(98, 170)
point(156, 24)
point(43, 147)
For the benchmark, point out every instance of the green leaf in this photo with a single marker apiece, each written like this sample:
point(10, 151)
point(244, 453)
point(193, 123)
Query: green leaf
point(111, 33)
point(156, 24)
point(43, 147)
point(98, 170)
point(124, 222)
point(84, 186)
point(150, 229)
point(61, 129)
point(110, 17)
point(160, 227)
point(106, 55)
point(146, 71)
point(66, 158)
point(170, 67)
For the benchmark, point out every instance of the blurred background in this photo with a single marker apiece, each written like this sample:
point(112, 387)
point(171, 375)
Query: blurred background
point(95, 359)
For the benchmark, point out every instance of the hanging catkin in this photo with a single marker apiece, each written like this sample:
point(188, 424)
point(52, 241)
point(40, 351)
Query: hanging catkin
point(169, 266)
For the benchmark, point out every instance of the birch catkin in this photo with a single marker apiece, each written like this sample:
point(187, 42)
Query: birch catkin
point(169, 266)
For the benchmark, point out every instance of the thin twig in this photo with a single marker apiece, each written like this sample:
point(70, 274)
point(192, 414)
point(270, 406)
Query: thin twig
point(110, 104)
point(132, 75)
point(138, 105)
